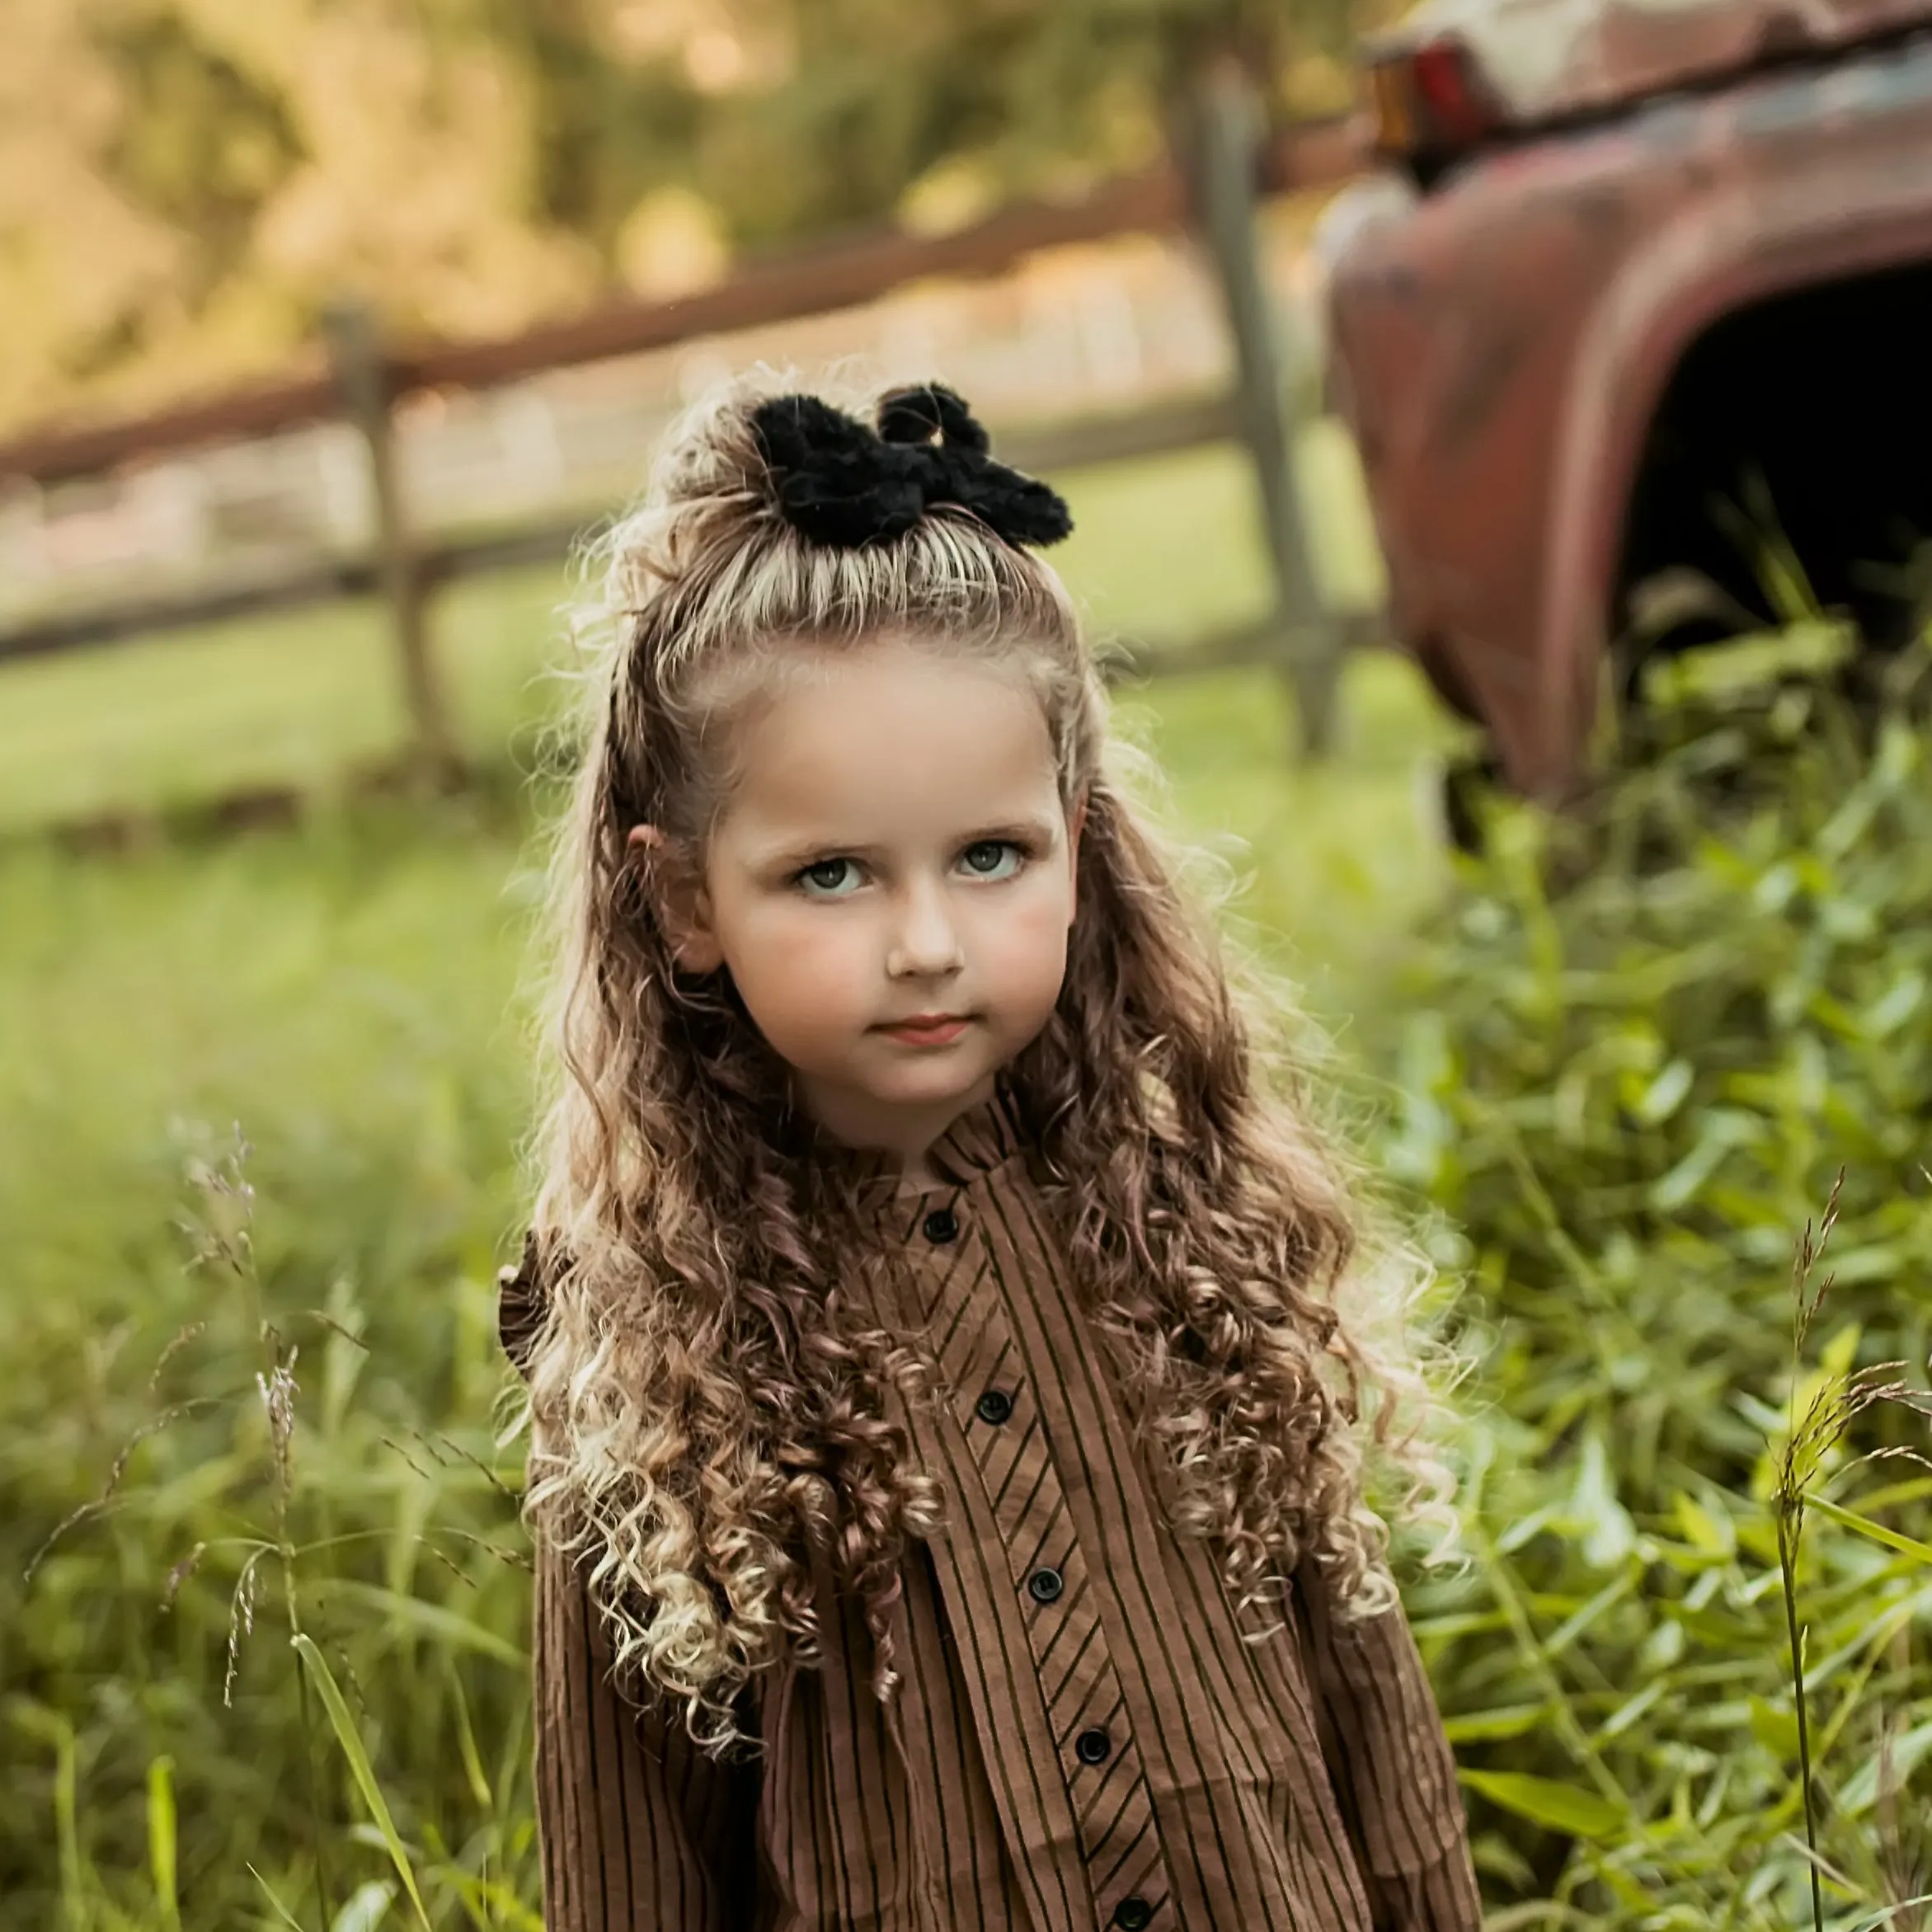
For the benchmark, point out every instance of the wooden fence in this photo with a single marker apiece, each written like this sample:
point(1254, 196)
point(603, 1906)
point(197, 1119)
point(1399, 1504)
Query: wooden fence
point(1229, 165)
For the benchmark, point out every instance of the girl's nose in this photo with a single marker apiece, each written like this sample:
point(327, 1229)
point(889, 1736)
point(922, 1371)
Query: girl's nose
point(924, 939)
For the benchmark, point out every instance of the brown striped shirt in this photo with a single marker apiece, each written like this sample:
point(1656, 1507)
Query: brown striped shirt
point(1082, 1740)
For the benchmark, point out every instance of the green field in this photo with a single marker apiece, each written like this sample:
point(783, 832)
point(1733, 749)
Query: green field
point(1622, 1105)
point(347, 990)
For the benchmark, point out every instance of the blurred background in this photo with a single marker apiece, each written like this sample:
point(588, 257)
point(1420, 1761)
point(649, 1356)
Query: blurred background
point(330, 330)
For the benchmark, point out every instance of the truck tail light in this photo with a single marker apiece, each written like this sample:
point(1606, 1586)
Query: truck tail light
point(1430, 101)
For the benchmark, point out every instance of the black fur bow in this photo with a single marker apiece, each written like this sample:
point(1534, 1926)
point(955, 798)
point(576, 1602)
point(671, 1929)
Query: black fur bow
point(841, 483)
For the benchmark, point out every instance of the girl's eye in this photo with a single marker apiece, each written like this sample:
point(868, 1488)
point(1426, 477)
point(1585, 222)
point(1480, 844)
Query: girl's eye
point(829, 878)
point(986, 859)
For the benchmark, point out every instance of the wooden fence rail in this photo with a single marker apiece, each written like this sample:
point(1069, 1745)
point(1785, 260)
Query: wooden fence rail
point(1036, 448)
point(1231, 164)
point(813, 281)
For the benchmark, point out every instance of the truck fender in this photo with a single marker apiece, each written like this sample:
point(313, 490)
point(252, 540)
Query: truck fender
point(1741, 243)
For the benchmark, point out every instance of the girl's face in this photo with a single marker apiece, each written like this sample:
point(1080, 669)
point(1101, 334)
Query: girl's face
point(891, 884)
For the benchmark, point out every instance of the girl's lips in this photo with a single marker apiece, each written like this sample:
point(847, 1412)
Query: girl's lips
point(927, 1033)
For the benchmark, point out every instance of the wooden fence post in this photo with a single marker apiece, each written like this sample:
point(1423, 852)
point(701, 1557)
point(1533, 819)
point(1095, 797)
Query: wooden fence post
point(1224, 128)
point(362, 377)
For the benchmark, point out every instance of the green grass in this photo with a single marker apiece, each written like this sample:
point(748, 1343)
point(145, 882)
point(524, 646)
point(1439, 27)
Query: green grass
point(346, 989)
point(1614, 1666)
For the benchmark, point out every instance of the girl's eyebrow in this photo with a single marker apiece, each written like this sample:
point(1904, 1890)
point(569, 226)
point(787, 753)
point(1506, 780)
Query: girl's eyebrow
point(801, 853)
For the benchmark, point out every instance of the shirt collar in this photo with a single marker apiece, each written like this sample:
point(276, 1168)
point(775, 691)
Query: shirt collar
point(980, 1140)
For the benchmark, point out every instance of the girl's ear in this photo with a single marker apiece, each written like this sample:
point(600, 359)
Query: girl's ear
point(682, 903)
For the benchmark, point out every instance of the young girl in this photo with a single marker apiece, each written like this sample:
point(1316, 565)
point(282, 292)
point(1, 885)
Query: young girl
point(945, 1471)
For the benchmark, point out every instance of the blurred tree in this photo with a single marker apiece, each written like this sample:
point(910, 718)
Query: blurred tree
point(184, 183)
point(200, 144)
point(795, 116)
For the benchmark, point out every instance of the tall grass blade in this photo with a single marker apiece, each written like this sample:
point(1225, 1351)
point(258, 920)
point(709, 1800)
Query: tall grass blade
point(466, 1738)
point(162, 1841)
point(489, 1903)
point(1790, 1530)
point(67, 1822)
point(1849, 1519)
point(1560, 1807)
point(360, 1766)
point(55, 1728)
point(282, 1911)
point(1876, 1920)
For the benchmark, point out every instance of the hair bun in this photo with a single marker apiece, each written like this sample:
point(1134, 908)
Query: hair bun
point(838, 481)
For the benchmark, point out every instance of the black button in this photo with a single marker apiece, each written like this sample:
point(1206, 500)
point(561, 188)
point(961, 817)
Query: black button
point(1091, 1747)
point(942, 1226)
point(1132, 1913)
point(993, 1407)
point(1043, 1585)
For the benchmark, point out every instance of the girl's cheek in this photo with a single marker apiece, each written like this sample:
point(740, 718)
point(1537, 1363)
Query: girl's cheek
point(1038, 922)
point(813, 943)
point(1026, 947)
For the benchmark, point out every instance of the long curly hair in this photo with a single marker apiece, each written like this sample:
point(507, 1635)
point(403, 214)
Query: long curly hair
point(710, 1431)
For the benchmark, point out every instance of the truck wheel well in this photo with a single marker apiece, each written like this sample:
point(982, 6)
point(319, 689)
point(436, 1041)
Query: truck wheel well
point(1826, 394)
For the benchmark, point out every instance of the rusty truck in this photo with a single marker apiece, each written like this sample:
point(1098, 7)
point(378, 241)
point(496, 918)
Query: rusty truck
point(1638, 301)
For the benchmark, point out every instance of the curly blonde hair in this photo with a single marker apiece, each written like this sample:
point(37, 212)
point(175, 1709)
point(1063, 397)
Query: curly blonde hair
point(709, 1422)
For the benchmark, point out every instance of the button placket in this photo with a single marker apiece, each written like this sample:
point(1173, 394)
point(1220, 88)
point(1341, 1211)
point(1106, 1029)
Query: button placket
point(993, 1408)
point(987, 1396)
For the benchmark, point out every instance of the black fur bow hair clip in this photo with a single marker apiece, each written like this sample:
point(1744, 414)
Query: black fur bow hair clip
point(843, 483)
